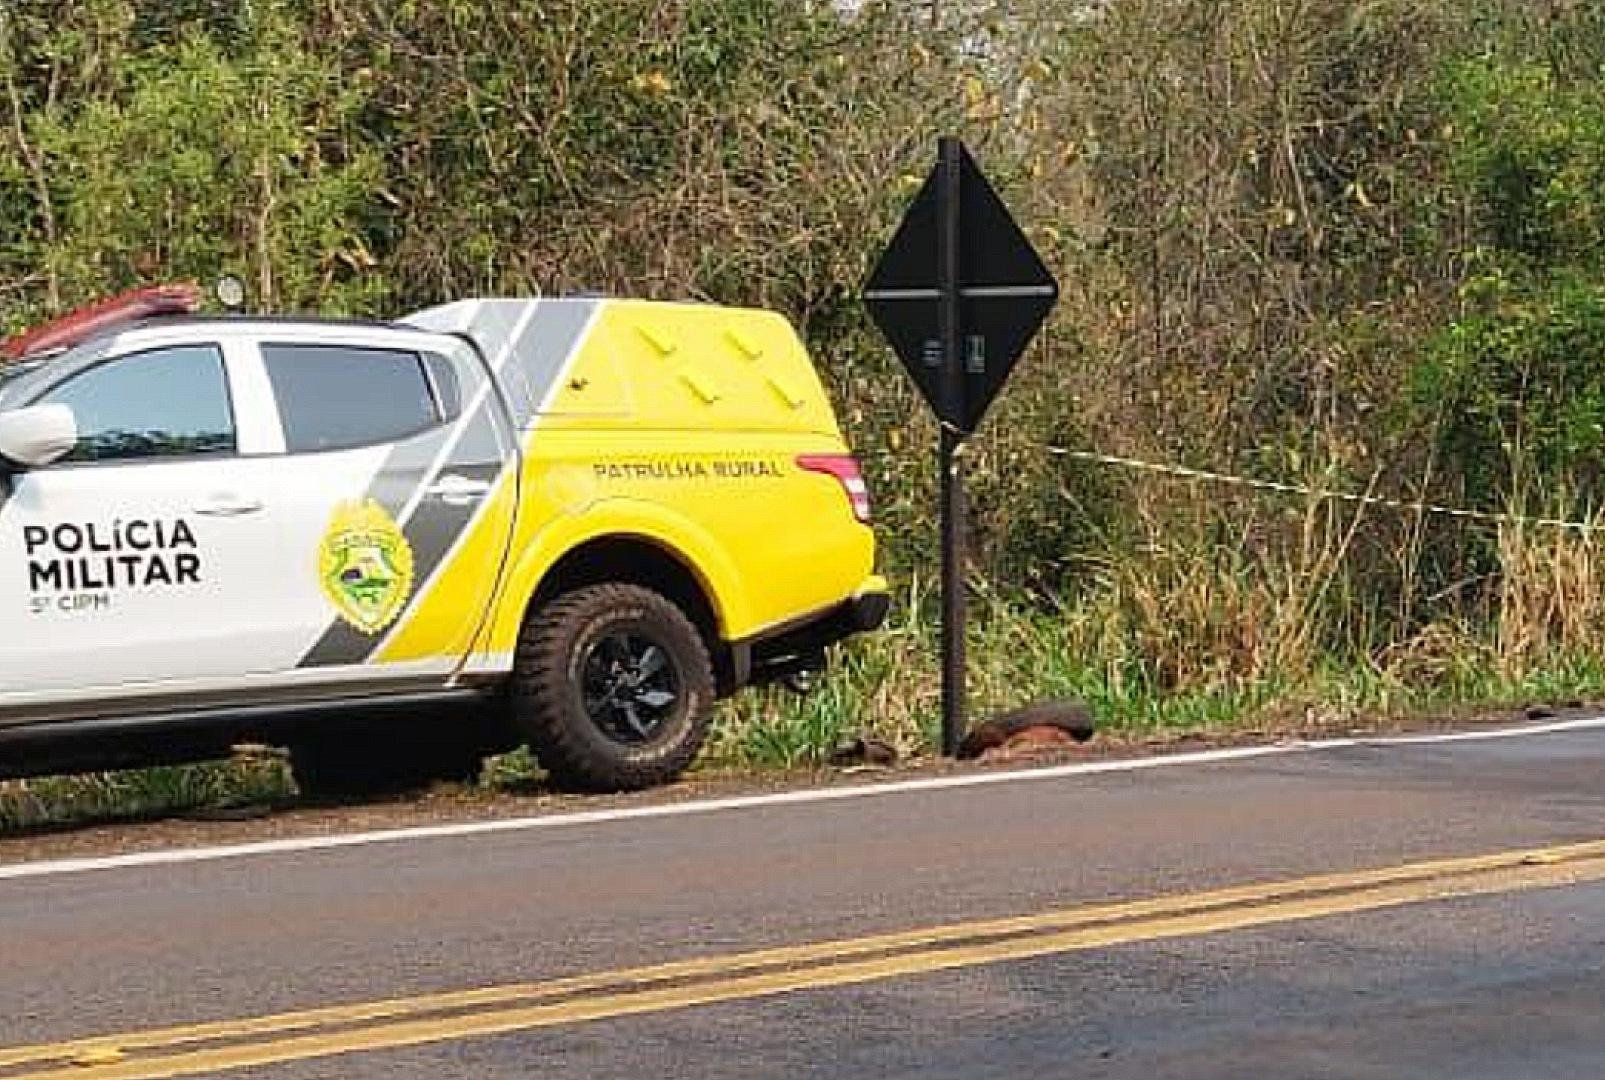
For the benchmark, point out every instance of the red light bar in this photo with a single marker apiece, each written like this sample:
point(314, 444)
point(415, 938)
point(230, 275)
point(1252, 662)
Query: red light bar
point(86, 322)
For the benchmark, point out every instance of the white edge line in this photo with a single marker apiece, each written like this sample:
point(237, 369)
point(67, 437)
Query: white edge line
point(180, 856)
point(1586, 723)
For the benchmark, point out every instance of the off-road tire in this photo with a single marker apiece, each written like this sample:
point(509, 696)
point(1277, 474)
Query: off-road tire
point(564, 646)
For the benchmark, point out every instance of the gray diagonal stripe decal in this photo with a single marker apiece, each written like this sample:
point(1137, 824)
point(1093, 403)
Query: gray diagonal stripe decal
point(542, 352)
point(527, 342)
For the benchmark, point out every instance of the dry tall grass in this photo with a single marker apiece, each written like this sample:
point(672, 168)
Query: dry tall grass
point(1551, 595)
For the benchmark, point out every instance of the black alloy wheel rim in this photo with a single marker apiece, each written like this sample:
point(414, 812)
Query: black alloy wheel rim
point(630, 686)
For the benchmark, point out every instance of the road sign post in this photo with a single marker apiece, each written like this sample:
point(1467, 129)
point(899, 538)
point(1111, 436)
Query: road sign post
point(959, 293)
point(949, 254)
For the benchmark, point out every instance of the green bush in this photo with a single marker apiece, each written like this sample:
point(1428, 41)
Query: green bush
point(1518, 389)
point(1515, 384)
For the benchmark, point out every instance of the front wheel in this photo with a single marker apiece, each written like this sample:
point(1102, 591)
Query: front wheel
point(613, 688)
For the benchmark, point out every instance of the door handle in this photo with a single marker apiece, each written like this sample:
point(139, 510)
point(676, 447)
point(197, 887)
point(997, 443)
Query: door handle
point(454, 490)
point(226, 506)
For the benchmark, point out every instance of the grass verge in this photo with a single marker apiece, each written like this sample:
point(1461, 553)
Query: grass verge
point(250, 777)
point(1137, 662)
point(888, 686)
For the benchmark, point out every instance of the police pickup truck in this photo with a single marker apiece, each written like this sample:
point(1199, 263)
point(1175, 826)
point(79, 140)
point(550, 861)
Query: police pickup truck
point(590, 517)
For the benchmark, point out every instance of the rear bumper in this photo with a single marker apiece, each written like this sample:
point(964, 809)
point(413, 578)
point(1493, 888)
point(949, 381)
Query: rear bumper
point(862, 613)
point(800, 646)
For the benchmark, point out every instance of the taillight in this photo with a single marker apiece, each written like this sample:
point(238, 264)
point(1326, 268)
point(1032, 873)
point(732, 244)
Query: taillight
point(844, 467)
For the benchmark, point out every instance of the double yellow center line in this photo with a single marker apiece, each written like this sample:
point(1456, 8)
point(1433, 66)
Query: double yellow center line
point(402, 1022)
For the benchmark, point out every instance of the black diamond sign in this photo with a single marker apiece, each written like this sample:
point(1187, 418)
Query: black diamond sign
point(1004, 294)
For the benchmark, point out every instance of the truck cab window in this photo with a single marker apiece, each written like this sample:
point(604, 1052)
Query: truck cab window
point(164, 402)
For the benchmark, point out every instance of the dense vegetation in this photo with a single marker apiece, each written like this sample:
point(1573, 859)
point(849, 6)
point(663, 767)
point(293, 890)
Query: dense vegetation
point(1348, 245)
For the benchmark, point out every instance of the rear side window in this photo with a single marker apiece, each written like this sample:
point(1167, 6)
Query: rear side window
point(334, 397)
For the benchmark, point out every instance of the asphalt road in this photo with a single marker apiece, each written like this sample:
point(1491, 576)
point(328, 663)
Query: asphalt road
point(1435, 965)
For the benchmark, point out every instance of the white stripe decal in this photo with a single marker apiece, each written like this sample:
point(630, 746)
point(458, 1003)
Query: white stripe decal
point(758, 802)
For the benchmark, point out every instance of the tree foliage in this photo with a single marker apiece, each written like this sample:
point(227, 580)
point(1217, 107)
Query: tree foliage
point(1346, 242)
point(1518, 378)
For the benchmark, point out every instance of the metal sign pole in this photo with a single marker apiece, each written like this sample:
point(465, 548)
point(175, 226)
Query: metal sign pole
point(959, 293)
point(953, 508)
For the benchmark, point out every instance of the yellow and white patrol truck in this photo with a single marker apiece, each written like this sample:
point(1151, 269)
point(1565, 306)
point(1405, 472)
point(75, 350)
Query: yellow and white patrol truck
point(597, 515)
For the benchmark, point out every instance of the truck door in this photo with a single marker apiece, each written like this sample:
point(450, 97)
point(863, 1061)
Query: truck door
point(133, 560)
point(396, 463)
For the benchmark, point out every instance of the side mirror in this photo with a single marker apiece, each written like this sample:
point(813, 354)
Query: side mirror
point(37, 435)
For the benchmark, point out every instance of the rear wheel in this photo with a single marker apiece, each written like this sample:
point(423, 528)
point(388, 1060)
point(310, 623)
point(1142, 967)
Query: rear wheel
point(613, 688)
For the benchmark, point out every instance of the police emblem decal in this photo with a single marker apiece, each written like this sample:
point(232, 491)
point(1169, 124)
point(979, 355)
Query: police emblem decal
point(365, 565)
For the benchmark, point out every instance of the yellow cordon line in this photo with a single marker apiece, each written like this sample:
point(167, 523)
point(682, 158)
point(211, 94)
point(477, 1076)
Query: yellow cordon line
point(393, 1024)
